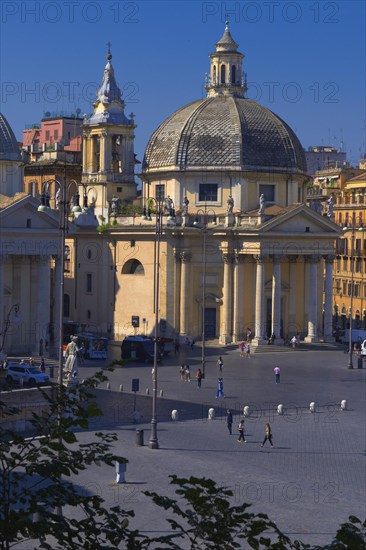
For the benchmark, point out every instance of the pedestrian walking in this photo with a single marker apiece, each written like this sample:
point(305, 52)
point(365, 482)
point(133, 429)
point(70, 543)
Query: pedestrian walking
point(247, 353)
point(241, 438)
point(182, 371)
point(192, 344)
point(229, 421)
point(187, 374)
point(242, 349)
point(220, 388)
point(176, 347)
point(277, 372)
point(42, 365)
point(220, 363)
point(199, 378)
point(268, 435)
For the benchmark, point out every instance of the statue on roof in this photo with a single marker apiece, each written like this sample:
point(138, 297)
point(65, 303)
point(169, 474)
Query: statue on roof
point(115, 202)
point(230, 204)
point(185, 204)
point(330, 212)
point(262, 204)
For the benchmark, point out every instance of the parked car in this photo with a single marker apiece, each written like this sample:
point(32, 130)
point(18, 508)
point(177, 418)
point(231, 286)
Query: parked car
point(139, 348)
point(30, 375)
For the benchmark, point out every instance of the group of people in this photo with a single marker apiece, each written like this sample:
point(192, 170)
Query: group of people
point(268, 435)
point(245, 349)
point(185, 375)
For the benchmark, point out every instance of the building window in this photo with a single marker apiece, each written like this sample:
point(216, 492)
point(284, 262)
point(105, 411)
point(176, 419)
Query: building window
point(133, 267)
point(358, 265)
point(338, 264)
point(223, 74)
point(55, 134)
point(29, 223)
point(364, 292)
point(233, 74)
point(357, 290)
point(89, 283)
point(345, 264)
point(67, 259)
point(89, 254)
point(268, 191)
point(119, 189)
point(159, 192)
point(208, 192)
point(344, 290)
point(47, 135)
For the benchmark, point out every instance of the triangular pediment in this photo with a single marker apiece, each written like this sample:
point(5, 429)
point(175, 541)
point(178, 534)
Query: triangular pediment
point(20, 214)
point(300, 220)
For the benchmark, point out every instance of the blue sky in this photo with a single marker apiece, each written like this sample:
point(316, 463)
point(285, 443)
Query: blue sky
point(305, 60)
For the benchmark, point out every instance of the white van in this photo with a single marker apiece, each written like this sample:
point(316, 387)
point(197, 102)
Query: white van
point(363, 348)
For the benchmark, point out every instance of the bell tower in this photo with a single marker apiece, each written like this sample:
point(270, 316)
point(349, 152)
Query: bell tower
point(108, 147)
point(226, 71)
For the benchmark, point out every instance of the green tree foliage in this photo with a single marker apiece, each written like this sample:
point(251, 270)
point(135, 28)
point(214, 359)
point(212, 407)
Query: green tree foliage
point(42, 505)
point(38, 492)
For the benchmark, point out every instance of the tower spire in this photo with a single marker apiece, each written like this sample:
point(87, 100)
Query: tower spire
point(226, 71)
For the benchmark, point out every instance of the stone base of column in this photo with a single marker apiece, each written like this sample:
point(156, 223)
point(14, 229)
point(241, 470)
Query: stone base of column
point(311, 339)
point(225, 339)
point(329, 339)
point(229, 220)
point(258, 341)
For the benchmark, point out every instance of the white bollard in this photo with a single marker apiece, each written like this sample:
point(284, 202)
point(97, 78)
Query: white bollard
point(246, 411)
point(280, 409)
point(343, 405)
point(312, 407)
point(147, 391)
point(211, 414)
point(121, 388)
point(120, 472)
point(108, 386)
point(175, 415)
point(161, 393)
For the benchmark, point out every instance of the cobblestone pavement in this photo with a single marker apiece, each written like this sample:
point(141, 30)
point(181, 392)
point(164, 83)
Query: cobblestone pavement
point(309, 483)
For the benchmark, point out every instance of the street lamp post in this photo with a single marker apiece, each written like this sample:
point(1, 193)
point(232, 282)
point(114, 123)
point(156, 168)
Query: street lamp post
point(160, 205)
point(62, 204)
point(205, 213)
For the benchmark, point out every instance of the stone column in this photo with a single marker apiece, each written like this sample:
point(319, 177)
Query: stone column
point(103, 161)
point(313, 291)
point(276, 297)
point(259, 301)
point(238, 305)
point(177, 287)
point(91, 160)
point(328, 307)
point(56, 310)
point(43, 303)
point(85, 152)
point(225, 326)
point(184, 293)
point(292, 327)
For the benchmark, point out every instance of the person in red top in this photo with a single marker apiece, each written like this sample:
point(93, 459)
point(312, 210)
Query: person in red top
point(199, 378)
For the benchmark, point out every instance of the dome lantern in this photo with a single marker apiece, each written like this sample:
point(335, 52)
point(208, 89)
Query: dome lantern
point(226, 69)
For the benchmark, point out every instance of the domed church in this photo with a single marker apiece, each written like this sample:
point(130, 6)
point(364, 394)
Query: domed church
point(225, 242)
point(236, 170)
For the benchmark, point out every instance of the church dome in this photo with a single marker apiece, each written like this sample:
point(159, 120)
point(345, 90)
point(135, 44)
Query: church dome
point(225, 132)
point(9, 149)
